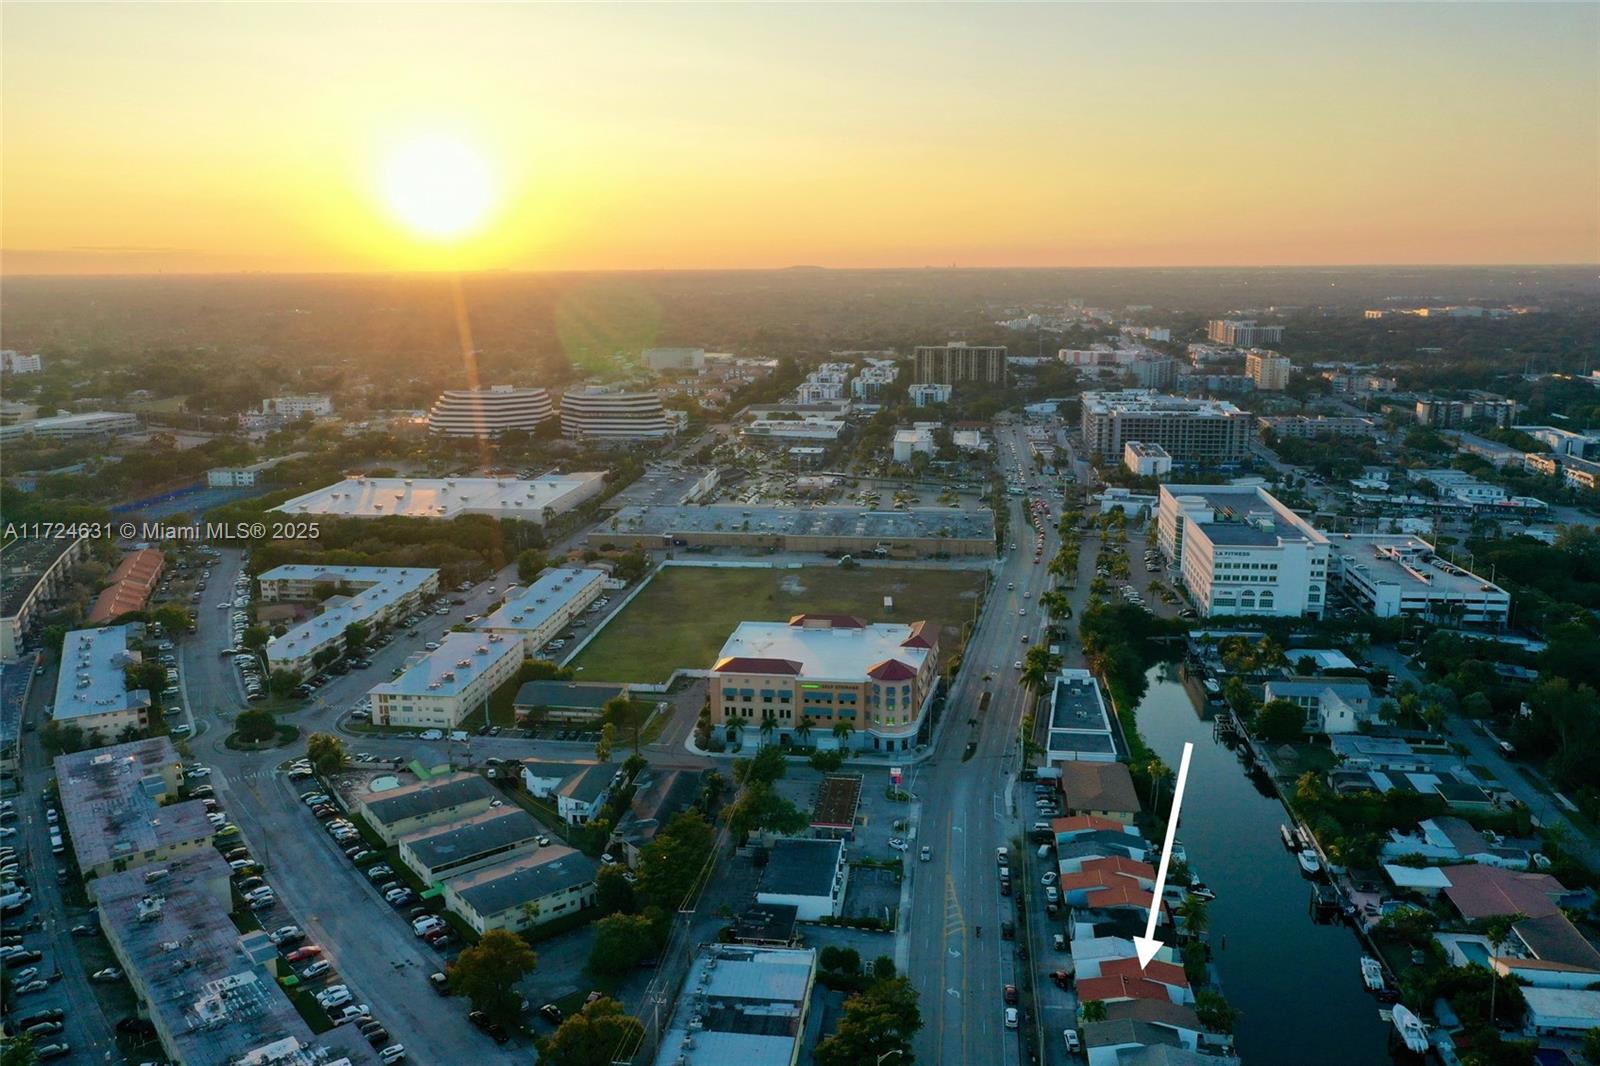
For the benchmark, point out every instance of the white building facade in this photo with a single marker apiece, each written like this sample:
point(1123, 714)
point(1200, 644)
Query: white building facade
point(1241, 552)
point(489, 412)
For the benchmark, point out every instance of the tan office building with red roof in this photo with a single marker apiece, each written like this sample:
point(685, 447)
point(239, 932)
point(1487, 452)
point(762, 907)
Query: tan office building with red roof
point(817, 673)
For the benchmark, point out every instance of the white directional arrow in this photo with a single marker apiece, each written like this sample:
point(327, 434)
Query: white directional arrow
point(1148, 945)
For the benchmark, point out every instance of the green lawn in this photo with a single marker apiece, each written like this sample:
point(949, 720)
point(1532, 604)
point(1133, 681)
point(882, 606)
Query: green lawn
point(687, 613)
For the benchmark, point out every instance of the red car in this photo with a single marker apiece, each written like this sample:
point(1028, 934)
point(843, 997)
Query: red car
point(310, 951)
point(1011, 993)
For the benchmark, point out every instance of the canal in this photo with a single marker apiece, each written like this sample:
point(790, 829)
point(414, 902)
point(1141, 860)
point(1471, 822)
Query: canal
point(1297, 983)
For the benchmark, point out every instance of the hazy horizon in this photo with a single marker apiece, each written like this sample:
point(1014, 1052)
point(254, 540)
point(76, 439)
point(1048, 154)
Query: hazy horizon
point(338, 139)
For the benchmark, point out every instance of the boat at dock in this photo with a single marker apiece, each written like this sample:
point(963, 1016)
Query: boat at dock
point(1372, 973)
point(1199, 890)
point(1289, 840)
point(1410, 1028)
point(1302, 834)
point(1309, 863)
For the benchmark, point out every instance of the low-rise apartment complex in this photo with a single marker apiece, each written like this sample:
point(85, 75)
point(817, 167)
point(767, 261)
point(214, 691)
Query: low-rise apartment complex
point(833, 670)
point(524, 891)
point(536, 614)
point(448, 683)
point(425, 804)
point(92, 692)
point(377, 596)
point(117, 803)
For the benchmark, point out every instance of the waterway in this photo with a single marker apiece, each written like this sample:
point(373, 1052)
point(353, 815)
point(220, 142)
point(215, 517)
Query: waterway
point(1297, 983)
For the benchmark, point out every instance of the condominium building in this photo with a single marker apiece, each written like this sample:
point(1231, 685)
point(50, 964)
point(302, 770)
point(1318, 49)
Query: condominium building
point(827, 671)
point(489, 412)
point(14, 362)
point(91, 688)
point(1397, 574)
point(32, 571)
point(448, 683)
point(1197, 431)
point(1242, 333)
point(599, 414)
point(930, 393)
point(869, 385)
point(535, 500)
point(1449, 414)
point(523, 892)
point(958, 361)
point(315, 404)
point(1146, 460)
point(471, 843)
point(1269, 370)
point(537, 613)
point(1309, 427)
point(1240, 551)
point(122, 809)
point(69, 427)
point(377, 596)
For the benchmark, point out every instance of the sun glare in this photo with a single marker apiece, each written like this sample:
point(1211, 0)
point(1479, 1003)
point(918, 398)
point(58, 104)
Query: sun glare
point(438, 186)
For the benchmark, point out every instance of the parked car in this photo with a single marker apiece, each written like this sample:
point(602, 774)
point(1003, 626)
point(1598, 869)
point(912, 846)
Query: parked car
point(110, 973)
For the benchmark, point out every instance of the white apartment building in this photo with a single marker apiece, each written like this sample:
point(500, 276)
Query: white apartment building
point(537, 613)
point(68, 427)
point(91, 690)
point(489, 412)
point(1308, 427)
point(874, 378)
point(382, 594)
point(1146, 460)
point(599, 414)
point(315, 404)
point(1204, 431)
point(929, 393)
point(1241, 552)
point(908, 442)
point(1242, 333)
point(449, 683)
point(1398, 574)
point(1269, 370)
point(14, 362)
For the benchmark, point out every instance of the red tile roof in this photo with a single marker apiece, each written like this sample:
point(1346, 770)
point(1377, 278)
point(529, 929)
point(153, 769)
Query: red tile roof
point(891, 670)
point(1125, 893)
point(1164, 973)
point(1111, 989)
point(741, 664)
point(1081, 823)
point(131, 584)
point(922, 635)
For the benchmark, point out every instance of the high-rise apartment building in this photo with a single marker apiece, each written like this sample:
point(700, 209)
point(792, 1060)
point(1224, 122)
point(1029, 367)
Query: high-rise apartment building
point(959, 361)
point(1243, 332)
point(1269, 370)
point(600, 414)
point(1197, 431)
point(489, 412)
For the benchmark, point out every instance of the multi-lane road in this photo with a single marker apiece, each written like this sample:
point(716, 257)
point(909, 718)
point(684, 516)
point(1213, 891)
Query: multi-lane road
point(967, 810)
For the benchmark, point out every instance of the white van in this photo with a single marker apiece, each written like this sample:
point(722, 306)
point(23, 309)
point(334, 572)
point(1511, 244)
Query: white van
point(458, 734)
point(431, 734)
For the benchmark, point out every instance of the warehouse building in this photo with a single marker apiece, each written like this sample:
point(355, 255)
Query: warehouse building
point(535, 500)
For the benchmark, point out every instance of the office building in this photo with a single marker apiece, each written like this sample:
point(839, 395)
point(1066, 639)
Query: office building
point(425, 804)
point(1191, 431)
point(664, 360)
point(1269, 370)
point(210, 991)
point(523, 892)
point(14, 362)
point(911, 441)
point(317, 405)
point(832, 669)
point(121, 807)
point(449, 683)
point(470, 843)
point(743, 1005)
point(599, 414)
point(92, 692)
point(958, 361)
point(907, 534)
point(1240, 551)
point(535, 500)
point(374, 596)
point(1146, 460)
point(927, 394)
point(1390, 575)
point(71, 427)
point(489, 412)
point(1242, 333)
point(537, 613)
point(806, 873)
point(33, 570)
point(1080, 729)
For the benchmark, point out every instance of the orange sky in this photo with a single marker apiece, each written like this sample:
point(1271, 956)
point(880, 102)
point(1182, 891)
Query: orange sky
point(185, 138)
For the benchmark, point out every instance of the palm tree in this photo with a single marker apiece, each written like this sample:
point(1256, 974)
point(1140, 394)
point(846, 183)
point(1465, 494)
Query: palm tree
point(1156, 770)
point(769, 722)
point(1196, 916)
point(802, 728)
point(842, 730)
point(735, 723)
point(1498, 930)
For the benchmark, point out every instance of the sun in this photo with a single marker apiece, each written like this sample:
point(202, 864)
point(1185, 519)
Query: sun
point(439, 186)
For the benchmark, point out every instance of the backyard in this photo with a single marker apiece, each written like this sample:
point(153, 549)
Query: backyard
point(686, 614)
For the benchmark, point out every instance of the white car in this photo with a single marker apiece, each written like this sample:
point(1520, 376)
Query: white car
point(1049, 878)
point(392, 1054)
point(283, 932)
point(432, 645)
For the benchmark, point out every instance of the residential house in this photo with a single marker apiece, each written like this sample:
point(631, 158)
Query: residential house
point(1453, 839)
point(1478, 891)
point(436, 801)
point(1331, 704)
point(1100, 789)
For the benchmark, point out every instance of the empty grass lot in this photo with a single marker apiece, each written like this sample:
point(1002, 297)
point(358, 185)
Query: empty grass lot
point(688, 613)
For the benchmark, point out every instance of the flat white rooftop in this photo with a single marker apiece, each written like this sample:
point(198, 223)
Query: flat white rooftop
point(840, 653)
point(91, 680)
point(380, 587)
point(369, 497)
point(460, 659)
point(535, 605)
point(1398, 559)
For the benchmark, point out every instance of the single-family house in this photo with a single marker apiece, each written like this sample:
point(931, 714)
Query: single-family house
point(1331, 704)
point(1099, 789)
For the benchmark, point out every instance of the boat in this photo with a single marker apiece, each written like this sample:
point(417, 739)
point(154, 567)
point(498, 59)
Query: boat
point(1199, 890)
point(1309, 862)
point(1288, 837)
point(1303, 835)
point(1371, 973)
point(1410, 1028)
